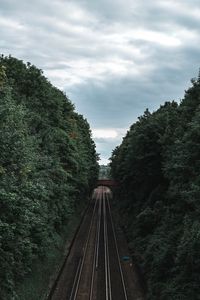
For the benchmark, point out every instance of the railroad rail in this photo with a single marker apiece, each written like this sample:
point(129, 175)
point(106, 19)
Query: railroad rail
point(118, 257)
point(79, 272)
point(97, 271)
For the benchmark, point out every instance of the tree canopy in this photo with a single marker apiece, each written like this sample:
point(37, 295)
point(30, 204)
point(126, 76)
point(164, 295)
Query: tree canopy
point(48, 165)
point(158, 168)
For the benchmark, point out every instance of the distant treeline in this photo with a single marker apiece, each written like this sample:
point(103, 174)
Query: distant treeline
point(158, 168)
point(104, 171)
point(48, 165)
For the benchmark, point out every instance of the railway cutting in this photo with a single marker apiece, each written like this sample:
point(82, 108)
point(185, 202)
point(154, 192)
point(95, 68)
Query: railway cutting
point(95, 268)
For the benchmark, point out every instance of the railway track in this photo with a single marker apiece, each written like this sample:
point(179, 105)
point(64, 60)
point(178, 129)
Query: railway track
point(97, 271)
point(115, 253)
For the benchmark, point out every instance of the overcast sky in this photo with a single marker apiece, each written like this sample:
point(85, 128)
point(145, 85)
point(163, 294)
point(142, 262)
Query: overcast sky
point(114, 58)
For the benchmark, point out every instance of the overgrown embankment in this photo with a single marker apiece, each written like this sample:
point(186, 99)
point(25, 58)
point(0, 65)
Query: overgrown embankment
point(158, 168)
point(48, 165)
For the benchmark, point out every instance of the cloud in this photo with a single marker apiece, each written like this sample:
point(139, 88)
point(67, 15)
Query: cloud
point(113, 60)
point(104, 133)
point(107, 139)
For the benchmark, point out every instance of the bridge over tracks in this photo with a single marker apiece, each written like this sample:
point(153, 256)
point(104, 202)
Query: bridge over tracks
point(107, 182)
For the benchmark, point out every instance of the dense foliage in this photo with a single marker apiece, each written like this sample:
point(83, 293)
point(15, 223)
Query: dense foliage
point(158, 168)
point(48, 165)
point(104, 172)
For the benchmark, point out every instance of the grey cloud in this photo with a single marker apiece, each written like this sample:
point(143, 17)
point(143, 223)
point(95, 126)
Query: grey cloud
point(92, 50)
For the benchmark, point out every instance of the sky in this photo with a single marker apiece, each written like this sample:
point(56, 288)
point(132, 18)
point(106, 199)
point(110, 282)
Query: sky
point(113, 58)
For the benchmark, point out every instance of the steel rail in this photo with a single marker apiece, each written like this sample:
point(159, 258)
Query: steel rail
point(98, 233)
point(106, 253)
point(119, 262)
point(105, 250)
point(77, 278)
point(108, 265)
point(96, 252)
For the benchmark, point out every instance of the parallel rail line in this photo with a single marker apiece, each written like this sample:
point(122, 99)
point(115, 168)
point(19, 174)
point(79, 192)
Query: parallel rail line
point(119, 262)
point(96, 253)
point(77, 278)
point(100, 244)
point(106, 252)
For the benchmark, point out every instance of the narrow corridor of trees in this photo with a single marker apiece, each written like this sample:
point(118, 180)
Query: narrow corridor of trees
point(158, 168)
point(48, 165)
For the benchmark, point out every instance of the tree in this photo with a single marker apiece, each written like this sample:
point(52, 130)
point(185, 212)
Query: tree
point(48, 165)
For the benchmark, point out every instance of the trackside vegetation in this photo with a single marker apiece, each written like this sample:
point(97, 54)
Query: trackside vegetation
point(158, 170)
point(48, 167)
